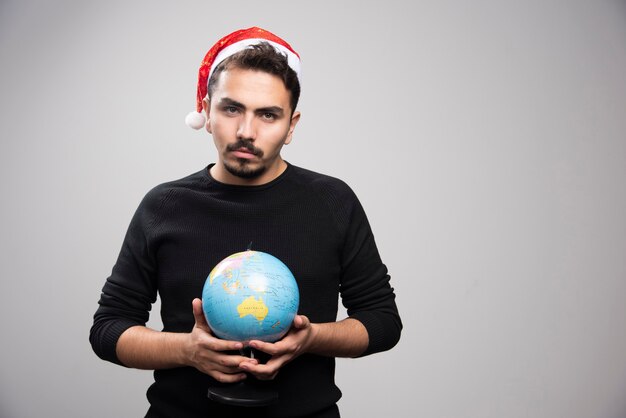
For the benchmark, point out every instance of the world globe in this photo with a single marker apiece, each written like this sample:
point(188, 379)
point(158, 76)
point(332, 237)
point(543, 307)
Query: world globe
point(250, 295)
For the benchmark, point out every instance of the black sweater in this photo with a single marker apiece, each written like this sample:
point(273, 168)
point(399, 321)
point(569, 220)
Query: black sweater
point(182, 229)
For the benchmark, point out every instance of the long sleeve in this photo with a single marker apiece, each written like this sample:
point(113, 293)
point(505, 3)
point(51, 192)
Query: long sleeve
point(130, 291)
point(365, 283)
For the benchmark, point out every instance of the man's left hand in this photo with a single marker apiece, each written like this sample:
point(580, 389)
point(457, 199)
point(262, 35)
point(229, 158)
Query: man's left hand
point(295, 343)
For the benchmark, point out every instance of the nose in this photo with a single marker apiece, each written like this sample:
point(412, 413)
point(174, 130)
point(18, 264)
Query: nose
point(247, 128)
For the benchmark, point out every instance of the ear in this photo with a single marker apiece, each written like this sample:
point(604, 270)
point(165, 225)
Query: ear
point(206, 108)
point(295, 118)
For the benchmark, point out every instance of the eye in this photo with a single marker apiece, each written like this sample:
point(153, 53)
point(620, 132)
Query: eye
point(268, 116)
point(230, 110)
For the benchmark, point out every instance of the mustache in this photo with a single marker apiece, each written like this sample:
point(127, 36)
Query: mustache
point(247, 144)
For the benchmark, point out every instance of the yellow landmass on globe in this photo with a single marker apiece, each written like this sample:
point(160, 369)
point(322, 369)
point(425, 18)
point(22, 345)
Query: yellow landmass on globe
point(253, 307)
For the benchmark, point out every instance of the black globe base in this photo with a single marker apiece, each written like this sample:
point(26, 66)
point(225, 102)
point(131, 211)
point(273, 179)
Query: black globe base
point(246, 393)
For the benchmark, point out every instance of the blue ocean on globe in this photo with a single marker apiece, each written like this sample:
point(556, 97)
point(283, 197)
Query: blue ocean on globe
point(250, 295)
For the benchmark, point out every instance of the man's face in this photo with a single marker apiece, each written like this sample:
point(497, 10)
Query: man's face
point(249, 116)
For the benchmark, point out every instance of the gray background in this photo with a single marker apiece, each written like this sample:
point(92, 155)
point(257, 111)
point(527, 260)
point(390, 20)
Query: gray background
point(486, 140)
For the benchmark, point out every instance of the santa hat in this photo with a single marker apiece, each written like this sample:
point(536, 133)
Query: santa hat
point(230, 45)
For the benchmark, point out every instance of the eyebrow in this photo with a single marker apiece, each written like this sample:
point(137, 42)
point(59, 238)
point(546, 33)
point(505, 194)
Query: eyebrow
point(226, 101)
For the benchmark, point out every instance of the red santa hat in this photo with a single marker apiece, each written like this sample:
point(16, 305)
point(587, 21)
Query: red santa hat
point(230, 45)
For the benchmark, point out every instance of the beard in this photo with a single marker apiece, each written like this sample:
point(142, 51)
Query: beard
point(242, 168)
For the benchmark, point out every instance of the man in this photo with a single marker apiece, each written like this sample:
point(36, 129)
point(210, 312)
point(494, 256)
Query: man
point(248, 89)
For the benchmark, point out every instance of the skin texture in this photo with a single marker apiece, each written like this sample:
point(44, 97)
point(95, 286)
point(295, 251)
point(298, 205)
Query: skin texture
point(250, 118)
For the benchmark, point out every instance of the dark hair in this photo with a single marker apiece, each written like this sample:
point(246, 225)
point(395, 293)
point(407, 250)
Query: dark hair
point(262, 57)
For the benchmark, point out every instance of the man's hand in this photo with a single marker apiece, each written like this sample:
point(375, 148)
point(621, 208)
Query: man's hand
point(205, 352)
point(145, 348)
point(296, 342)
point(346, 338)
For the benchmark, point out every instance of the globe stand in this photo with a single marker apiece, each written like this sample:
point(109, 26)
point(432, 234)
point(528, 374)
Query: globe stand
point(245, 393)
point(249, 392)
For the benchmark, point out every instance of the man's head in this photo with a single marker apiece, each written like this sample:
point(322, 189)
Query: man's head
point(263, 59)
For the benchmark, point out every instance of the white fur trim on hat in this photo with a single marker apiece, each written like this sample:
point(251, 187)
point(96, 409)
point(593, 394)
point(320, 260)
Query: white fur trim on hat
point(292, 59)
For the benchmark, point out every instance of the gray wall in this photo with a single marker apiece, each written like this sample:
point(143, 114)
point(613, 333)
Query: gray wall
point(486, 140)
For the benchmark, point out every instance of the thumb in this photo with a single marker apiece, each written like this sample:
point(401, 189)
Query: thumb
point(301, 321)
point(198, 314)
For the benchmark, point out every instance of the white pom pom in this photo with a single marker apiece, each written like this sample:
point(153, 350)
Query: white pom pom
point(195, 120)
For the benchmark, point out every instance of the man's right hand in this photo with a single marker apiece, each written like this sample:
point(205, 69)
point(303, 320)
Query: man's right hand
point(144, 348)
point(206, 353)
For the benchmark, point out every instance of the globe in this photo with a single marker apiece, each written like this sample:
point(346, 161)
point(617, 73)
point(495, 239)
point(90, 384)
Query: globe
point(250, 295)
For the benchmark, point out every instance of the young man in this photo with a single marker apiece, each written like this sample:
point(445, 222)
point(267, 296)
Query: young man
point(248, 91)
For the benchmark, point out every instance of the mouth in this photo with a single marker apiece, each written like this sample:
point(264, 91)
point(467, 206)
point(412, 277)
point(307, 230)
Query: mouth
point(244, 150)
point(244, 153)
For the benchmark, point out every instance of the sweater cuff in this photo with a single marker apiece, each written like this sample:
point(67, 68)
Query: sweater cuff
point(110, 336)
point(383, 334)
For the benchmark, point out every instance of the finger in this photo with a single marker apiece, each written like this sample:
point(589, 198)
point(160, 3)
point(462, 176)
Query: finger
point(262, 371)
point(230, 366)
point(198, 314)
point(232, 362)
point(212, 343)
point(211, 362)
point(301, 321)
point(227, 377)
point(269, 348)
